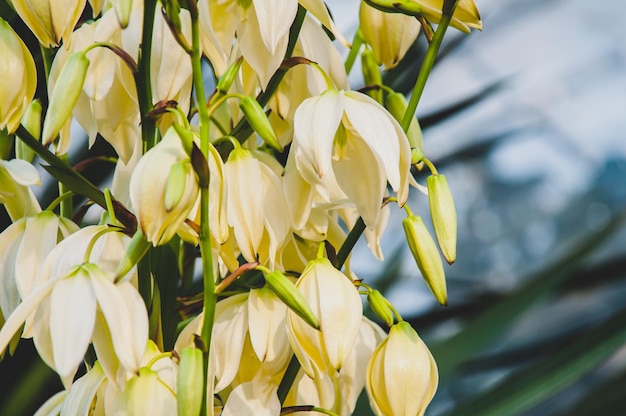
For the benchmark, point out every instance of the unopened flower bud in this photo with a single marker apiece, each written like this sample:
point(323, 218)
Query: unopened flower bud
point(396, 104)
point(291, 296)
point(258, 121)
point(137, 248)
point(443, 214)
point(18, 77)
point(426, 256)
point(396, 6)
point(190, 383)
point(402, 375)
point(380, 306)
point(226, 80)
point(371, 74)
point(31, 120)
point(64, 95)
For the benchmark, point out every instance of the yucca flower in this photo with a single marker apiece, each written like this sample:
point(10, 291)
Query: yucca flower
point(348, 132)
point(402, 374)
point(336, 302)
point(73, 302)
point(390, 35)
point(465, 17)
point(18, 77)
point(163, 189)
point(50, 20)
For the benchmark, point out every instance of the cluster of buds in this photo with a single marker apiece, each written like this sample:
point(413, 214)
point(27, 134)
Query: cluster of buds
point(256, 183)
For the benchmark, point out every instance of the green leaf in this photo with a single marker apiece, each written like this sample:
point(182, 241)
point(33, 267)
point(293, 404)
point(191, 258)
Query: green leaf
point(529, 387)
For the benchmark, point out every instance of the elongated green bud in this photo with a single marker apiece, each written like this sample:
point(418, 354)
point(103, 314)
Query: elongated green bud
point(426, 256)
point(380, 306)
point(291, 296)
point(190, 383)
point(258, 121)
point(443, 214)
point(396, 104)
point(371, 74)
point(65, 95)
point(31, 120)
point(137, 248)
point(396, 6)
point(226, 80)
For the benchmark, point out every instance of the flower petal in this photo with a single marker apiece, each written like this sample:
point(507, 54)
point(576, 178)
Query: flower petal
point(72, 318)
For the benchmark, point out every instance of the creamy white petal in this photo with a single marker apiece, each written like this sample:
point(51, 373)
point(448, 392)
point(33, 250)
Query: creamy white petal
point(21, 171)
point(367, 188)
point(315, 123)
point(78, 401)
point(124, 314)
point(374, 124)
point(253, 398)
point(275, 17)
point(72, 318)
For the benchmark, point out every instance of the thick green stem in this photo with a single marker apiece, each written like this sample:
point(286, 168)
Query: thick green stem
point(142, 76)
point(427, 65)
point(210, 298)
point(354, 51)
point(66, 206)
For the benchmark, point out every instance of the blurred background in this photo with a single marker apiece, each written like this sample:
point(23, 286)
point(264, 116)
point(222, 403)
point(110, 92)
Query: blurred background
point(527, 119)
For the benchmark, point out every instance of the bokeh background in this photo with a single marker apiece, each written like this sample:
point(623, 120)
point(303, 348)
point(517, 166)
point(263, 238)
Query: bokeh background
point(527, 119)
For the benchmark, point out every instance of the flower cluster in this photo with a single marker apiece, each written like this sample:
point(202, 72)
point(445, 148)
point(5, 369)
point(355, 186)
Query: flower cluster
point(218, 279)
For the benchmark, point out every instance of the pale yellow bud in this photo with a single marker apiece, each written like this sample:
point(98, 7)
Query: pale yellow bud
point(65, 94)
point(402, 375)
point(50, 20)
point(426, 256)
point(18, 77)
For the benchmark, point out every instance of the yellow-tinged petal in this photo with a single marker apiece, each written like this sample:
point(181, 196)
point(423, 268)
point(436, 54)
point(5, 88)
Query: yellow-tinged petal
point(402, 375)
point(253, 398)
point(389, 34)
point(336, 301)
point(145, 395)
